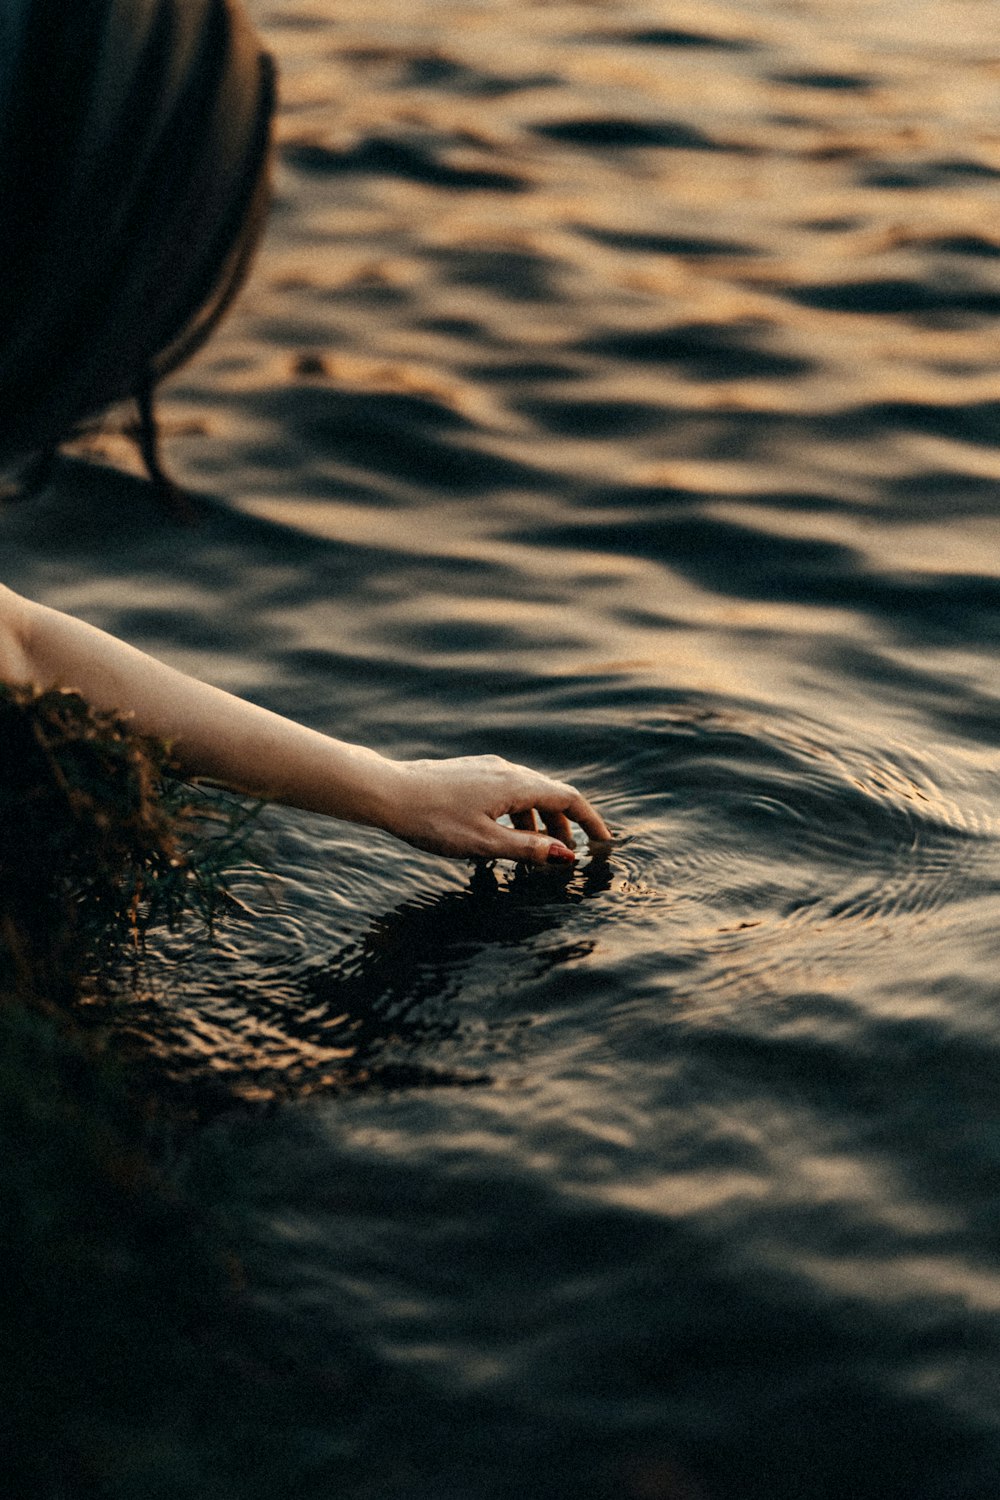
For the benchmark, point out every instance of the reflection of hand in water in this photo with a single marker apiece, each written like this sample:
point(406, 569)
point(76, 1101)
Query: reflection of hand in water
point(385, 1010)
point(397, 986)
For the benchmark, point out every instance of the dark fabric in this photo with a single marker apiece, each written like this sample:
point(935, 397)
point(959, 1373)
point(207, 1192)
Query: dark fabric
point(133, 146)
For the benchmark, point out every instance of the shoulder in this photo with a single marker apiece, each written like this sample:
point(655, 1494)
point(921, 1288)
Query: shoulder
point(14, 622)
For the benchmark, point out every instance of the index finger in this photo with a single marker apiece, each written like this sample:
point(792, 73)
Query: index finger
point(589, 820)
point(577, 807)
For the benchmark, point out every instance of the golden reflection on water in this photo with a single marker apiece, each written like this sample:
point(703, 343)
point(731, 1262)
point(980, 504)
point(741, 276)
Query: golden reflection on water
point(829, 147)
point(602, 356)
point(637, 402)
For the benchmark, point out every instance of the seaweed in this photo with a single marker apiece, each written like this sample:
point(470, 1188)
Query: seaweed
point(99, 840)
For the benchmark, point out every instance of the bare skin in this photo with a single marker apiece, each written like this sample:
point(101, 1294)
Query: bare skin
point(449, 807)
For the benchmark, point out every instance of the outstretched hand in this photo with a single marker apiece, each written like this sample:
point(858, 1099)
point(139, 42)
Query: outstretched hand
point(452, 807)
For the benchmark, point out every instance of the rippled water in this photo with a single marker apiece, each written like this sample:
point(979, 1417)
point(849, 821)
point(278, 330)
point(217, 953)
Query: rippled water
point(616, 391)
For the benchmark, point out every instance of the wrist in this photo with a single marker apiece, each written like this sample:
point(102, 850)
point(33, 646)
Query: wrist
point(377, 793)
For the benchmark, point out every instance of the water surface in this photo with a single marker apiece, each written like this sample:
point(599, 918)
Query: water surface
point(616, 391)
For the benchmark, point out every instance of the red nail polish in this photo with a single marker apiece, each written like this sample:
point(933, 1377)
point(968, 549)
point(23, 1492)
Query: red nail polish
point(559, 854)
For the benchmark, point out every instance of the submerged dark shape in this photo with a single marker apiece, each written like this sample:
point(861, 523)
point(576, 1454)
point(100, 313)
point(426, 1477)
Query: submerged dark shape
point(133, 150)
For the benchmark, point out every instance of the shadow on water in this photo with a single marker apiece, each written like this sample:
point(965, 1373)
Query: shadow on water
point(387, 1011)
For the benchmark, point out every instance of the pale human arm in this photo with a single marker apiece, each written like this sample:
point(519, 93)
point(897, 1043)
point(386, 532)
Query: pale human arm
point(450, 807)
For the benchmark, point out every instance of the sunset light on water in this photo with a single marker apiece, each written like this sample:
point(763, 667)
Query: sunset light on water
point(615, 390)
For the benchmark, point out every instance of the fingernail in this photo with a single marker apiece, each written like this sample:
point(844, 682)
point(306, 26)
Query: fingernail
point(559, 854)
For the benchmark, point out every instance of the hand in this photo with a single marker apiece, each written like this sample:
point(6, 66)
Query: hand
point(451, 807)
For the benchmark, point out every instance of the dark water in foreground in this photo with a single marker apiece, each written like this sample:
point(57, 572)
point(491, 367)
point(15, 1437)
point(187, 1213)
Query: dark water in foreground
point(616, 392)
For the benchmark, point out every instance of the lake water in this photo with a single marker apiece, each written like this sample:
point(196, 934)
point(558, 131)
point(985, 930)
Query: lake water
point(616, 391)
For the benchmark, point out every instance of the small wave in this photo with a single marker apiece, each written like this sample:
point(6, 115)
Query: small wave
point(705, 351)
point(621, 133)
point(744, 824)
point(413, 161)
point(827, 83)
point(890, 297)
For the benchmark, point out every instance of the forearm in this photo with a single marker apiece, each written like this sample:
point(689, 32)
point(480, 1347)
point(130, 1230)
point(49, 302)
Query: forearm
point(454, 807)
point(213, 733)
